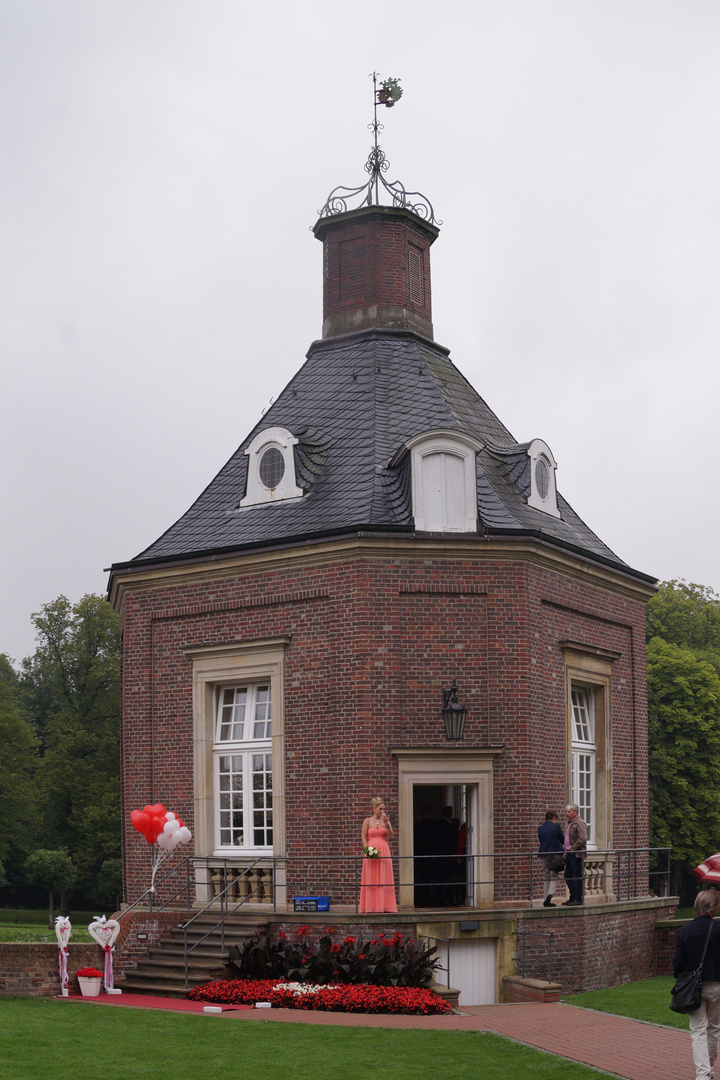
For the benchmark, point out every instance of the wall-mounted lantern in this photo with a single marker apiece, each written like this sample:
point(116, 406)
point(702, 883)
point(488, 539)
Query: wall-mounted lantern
point(453, 714)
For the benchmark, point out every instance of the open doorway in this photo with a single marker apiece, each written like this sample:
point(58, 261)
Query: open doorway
point(443, 845)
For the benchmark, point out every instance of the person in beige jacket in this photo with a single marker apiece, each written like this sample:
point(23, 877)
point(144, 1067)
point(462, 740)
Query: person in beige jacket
point(575, 845)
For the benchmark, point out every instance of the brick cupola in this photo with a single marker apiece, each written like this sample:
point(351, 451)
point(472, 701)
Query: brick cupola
point(376, 270)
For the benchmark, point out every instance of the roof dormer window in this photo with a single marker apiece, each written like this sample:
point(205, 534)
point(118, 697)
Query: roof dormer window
point(543, 492)
point(444, 482)
point(271, 468)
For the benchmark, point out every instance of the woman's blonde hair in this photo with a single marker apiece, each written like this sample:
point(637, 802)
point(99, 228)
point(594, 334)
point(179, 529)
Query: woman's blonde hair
point(706, 902)
point(376, 802)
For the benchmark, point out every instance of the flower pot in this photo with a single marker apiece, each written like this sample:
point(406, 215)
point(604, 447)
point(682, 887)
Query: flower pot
point(89, 987)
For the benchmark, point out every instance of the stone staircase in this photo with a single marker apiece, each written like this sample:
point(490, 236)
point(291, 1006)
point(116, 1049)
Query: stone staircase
point(162, 971)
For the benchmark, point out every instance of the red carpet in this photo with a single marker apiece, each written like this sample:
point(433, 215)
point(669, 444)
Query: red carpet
point(146, 1001)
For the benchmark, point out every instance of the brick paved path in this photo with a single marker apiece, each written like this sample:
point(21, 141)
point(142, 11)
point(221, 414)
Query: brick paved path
point(616, 1044)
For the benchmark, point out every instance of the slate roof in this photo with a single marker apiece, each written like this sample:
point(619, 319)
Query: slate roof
point(352, 406)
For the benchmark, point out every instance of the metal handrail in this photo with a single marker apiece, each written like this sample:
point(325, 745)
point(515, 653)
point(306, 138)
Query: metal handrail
point(153, 889)
point(221, 921)
point(624, 860)
point(522, 936)
point(448, 942)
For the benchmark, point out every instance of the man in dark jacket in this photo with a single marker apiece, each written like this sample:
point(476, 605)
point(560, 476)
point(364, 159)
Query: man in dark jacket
point(689, 944)
point(551, 839)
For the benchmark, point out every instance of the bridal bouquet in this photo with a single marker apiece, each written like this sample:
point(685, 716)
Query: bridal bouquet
point(371, 852)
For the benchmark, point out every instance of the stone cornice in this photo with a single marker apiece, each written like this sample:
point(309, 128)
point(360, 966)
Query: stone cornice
point(132, 578)
point(460, 753)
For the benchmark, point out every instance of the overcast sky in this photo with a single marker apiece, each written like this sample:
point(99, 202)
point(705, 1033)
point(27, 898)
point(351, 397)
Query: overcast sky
point(162, 161)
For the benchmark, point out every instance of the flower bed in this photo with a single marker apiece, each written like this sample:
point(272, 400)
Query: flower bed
point(360, 999)
point(383, 961)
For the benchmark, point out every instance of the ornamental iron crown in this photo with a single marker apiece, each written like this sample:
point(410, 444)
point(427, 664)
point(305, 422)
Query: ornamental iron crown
point(341, 199)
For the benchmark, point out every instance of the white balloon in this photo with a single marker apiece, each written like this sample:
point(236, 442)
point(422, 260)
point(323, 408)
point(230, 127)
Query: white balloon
point(184, 834)
point(163, 841)
point(171, 826)
point(170, 815)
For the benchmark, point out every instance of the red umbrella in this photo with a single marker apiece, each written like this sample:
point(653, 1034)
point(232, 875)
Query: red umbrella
point(708, 871)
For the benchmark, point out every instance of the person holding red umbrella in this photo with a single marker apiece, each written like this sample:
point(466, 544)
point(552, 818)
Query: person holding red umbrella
point(689, 944)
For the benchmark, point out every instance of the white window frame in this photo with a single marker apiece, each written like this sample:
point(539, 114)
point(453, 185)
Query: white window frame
point(256, 493)
point(540, 451)
point(459, 446)
point(583, 756)
point(245, 747)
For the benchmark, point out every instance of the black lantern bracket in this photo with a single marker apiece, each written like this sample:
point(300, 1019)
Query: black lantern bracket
point(454, 714)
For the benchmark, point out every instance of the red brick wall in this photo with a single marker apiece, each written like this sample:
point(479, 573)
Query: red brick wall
point(31, 969)
point(366, 260)
point(592, 950)
point(665, 945)
point(374, 639)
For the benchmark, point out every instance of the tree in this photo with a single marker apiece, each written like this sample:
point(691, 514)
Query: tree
point(685, 614)
point(73, 681)
point(19, 818)
point(108, 890)
point(684, 753)
point(53, 870)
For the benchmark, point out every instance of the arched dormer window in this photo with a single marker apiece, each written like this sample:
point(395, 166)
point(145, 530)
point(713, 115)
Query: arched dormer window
point(271, 468)
point(543, 492)
point(444, 482)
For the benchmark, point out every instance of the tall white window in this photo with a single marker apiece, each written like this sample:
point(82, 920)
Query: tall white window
point(583, 754)
point(243, 768)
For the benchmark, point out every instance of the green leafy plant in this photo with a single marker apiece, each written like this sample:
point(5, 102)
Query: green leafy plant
point(383, 961)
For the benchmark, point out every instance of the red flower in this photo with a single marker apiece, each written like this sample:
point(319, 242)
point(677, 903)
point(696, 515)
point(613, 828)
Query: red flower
point(89, 973)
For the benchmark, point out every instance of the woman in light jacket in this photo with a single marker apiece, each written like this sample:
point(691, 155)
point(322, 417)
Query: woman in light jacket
point(689, 945)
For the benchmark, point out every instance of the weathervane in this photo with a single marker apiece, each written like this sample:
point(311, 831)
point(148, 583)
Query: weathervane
point(369, 193)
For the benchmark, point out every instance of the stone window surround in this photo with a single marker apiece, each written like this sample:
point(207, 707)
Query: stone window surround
point(539, 450)
point(255, 661)
point(447, 765)
point(256, 494)
point(590, 667)
point(444, 441)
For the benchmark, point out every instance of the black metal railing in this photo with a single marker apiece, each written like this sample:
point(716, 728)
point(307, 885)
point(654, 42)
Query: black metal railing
point(613, 873)
point(521, 960)
point(617, 873)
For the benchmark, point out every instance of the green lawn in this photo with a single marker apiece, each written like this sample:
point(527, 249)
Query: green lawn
point(74, 1041)
point(24, 924)
point(645, 1000)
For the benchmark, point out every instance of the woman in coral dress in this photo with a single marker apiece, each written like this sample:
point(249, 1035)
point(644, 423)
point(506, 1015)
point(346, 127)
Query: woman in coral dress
point(377, 887)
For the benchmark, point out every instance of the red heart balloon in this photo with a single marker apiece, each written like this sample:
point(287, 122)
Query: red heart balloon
point(157, 824)
point(140, 820)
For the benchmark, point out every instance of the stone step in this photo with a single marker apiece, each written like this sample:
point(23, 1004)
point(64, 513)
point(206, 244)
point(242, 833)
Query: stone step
point(175, 963)
point(176, 952)
point(162, 969)
point(167, 989)
point(151, 973)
